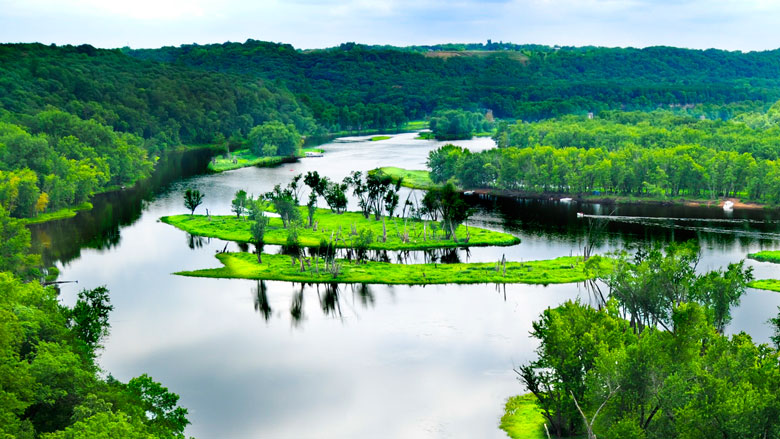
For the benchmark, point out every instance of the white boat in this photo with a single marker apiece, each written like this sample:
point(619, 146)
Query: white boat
point(565, 200)
point(313, 154)
point(728, 206)
point(468, 193)
point(580, 215)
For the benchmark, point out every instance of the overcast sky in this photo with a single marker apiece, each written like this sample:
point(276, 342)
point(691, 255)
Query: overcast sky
point(724, 24)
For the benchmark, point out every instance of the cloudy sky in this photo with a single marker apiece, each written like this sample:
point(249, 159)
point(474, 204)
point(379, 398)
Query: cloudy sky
point(724, 24)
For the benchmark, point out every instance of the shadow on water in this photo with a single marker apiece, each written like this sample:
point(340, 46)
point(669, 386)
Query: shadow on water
point(330, 297)
point(98, 228)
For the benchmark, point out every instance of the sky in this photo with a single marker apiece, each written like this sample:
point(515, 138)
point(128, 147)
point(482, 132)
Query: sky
point(724, 24)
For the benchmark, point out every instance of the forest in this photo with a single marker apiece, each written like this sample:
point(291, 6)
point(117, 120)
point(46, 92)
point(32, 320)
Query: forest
point(658, 122)
point(350, 85)
point(659, 154)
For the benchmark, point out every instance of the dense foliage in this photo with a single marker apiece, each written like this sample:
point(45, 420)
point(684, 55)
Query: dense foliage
point(167, 104)
point(50, 385)
point(54, 159)
point(643, 154)
point(355, 86)
point(651, 362)
point(459, 124)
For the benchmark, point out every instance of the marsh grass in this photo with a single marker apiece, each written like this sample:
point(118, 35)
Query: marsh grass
point(523, 418)
point(565, 269)
point(338, 227)
point(766, 256)
point(766, 284)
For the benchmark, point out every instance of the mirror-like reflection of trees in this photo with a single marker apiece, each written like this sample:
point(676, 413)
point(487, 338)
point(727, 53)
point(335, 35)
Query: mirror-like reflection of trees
point(196, 242)
point(334, 300)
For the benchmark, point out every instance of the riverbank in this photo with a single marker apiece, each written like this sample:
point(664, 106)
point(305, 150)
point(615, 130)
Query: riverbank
point(420, 179)
point(567, 269)
point(523, 418)
point(244, 158)
point(67, 212)
point(339, 227)
point(766, 256)
point(414, 179)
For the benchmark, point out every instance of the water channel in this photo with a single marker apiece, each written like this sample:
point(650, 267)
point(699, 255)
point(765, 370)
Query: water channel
point(283, 360)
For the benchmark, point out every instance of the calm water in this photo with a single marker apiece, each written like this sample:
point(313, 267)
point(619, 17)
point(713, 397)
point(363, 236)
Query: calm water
point(275, 359)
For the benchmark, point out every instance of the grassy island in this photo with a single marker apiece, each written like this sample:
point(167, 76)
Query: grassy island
point(378, 138)
point(523, 418)
point(766, 284)
point(565, 269)
point(244, 158)
point(766, 256)
point(232, 228)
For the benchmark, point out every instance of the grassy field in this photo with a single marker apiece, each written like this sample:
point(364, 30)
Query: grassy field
point(565, 269)
point(378, 138)
point(233, 229)
point(766, 284)
point(244, 158)
point(411, 178)
point(522, 418)
point(766, 256)
point(68, 212)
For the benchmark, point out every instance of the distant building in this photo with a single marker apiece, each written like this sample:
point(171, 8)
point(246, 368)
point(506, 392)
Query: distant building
point(590, 115)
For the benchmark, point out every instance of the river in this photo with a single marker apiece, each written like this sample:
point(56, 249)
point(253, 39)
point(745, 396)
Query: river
point(283, 360)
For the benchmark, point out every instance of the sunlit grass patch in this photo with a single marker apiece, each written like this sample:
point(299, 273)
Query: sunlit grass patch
point(766, 284)
point(567, 269)
point(523, 418)
point(338, 227)
point(415, 179)
point(766, 256)
point(68, 212)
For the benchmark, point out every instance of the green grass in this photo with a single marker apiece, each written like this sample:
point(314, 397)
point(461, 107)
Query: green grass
point(523, 418)
point(766, 284)
point(233, 229)
point(766, 256)
point(68, 212)
point(244, 158)
point(565, 269)
point(425, 135)
point(414, 125)
point(411, 178)
point(378, 138)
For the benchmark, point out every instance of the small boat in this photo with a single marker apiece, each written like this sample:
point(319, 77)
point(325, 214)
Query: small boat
point(580, 215)
point(313, 154)
point(468, 193)
point(728, 206)
point(565, 200)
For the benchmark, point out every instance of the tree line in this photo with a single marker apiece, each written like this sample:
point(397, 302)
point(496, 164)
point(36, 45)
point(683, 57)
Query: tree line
point(656, 155)
point(51, 386)
point(528, 82)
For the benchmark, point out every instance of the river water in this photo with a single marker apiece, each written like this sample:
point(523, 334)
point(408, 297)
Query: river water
point(273, 359)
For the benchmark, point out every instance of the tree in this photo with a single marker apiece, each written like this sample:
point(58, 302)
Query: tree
point(192, 199)
point(258, 229)
point(453, 209)
point(164, 415)
point(239, 203)
point(89, 316)
point(284, 137)
point(282, 200)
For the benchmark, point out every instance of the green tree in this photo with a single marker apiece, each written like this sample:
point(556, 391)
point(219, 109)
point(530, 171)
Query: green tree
point(89, 316)
point(284, 137)
point(192, 199)
point(165, 418)
point(239, 203)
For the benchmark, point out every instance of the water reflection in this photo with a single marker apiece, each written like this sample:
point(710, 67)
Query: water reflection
point(330, 297)
point(99, 228)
